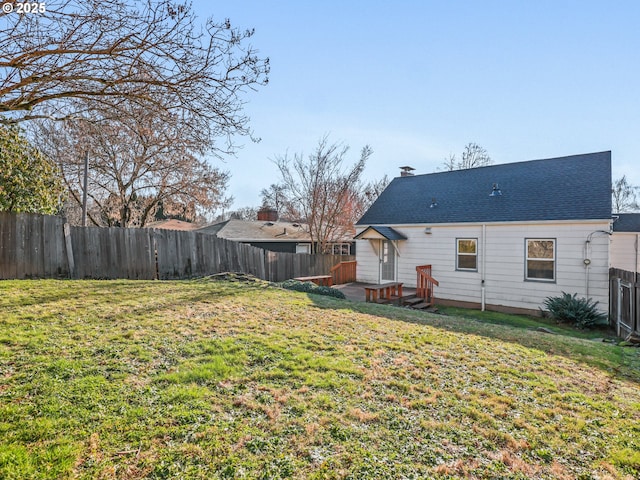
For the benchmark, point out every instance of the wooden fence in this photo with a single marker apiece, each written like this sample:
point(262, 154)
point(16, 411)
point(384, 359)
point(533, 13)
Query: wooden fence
point(624, 301)
point(40, 246)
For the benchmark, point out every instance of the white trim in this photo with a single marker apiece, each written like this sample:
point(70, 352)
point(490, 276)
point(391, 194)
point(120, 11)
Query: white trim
point(474, 254)
point(393, 253)
point(373, 235)
point(554, 259)
point(479, 224)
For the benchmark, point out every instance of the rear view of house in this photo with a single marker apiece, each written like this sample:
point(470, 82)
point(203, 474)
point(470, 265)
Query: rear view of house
point(502, 237)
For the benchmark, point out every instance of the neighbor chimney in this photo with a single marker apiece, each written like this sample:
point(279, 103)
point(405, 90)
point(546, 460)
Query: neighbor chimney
point(406, 171)
point(267, 214)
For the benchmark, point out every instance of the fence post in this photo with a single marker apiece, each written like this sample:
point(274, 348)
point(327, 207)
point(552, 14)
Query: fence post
point(67, 241)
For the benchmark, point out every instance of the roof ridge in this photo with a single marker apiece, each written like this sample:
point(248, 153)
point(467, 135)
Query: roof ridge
point(497, 165)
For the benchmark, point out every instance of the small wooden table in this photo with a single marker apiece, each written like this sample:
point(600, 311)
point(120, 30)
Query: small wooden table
point(383, 291)
point(320, 280)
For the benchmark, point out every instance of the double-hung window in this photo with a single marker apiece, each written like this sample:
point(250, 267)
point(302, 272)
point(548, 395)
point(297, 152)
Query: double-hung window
point(467, 254)
point(541, 259)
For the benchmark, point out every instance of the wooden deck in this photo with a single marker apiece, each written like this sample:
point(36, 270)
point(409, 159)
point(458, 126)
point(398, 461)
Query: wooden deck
point(320, 280)
point(355, 291)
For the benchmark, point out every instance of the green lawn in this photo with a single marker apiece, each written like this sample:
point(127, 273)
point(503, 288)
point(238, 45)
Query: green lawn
point(208, 379)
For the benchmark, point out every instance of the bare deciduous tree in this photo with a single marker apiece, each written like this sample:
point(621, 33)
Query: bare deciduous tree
point(473, 156)
point(276, 197)
point(360, 197)
point(149, 52)
point(138, 164)
point(323, 189)
point(623, 196)
point(450, 163)
point(245, 213)
point(371, 191)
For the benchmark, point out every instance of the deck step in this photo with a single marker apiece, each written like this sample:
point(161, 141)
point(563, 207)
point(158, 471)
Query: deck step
point(394, 299)
point(412, 300)
point(415, 302)
point(421, 305)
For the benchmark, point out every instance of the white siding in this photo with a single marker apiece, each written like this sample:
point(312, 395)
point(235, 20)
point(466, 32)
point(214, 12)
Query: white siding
point(504, 272)
point(624, 251)
point(367, 265)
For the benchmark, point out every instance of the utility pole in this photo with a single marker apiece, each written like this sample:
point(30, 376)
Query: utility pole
point(84, 189)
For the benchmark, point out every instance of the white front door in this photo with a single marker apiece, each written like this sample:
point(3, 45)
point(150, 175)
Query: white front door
point(387, 261)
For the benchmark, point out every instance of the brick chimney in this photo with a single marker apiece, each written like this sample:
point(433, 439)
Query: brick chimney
point(267, 214)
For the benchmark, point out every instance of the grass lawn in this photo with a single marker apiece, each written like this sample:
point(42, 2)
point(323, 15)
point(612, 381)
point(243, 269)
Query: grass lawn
point(215, 379)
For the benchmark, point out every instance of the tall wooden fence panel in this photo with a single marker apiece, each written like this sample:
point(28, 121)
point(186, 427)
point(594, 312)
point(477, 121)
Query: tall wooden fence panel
point(189, 254)
point(282, 266)
point(40, 246)
point(253, 260)
point(113, 253)
point(32, 246)
point(624, 301)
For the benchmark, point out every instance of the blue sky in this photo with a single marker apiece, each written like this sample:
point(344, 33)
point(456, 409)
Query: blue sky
point(417, 80)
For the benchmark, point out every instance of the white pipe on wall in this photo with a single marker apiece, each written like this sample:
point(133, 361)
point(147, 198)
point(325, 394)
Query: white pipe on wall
point(484, 266)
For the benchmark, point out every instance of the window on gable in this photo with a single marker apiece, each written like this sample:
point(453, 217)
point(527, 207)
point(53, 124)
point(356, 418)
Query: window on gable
point(467, 254)
point(541, 259)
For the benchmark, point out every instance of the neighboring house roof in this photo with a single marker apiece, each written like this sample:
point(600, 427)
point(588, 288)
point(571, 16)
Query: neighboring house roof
point(173, 224)
point(626, 222)
point(567, 188)
point(380, 232)
point(255, 231)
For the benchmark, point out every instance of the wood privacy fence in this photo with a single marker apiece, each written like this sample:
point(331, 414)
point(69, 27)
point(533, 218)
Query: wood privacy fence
point(41, 246)
point(624, 301)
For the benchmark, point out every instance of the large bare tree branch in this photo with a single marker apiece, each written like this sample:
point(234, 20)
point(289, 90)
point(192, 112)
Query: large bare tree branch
point(138, 163)
point(149, 52)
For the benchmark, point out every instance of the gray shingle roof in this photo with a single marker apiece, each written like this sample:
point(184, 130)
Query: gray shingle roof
point(243, 230)
point(627, 222)
point(567, 188)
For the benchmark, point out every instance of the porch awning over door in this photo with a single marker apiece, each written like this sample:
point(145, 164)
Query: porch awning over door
point(380, 233)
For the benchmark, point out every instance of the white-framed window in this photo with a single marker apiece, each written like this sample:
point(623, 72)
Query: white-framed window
point(467, 254)
point(303, 248)
point(541, 259)
point(341, 249)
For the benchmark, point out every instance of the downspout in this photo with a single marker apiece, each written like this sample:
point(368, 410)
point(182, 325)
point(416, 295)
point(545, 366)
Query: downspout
point(484, 266)
point(396, 261)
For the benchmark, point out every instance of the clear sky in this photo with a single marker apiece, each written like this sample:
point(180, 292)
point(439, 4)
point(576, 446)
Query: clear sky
point(417, 80)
